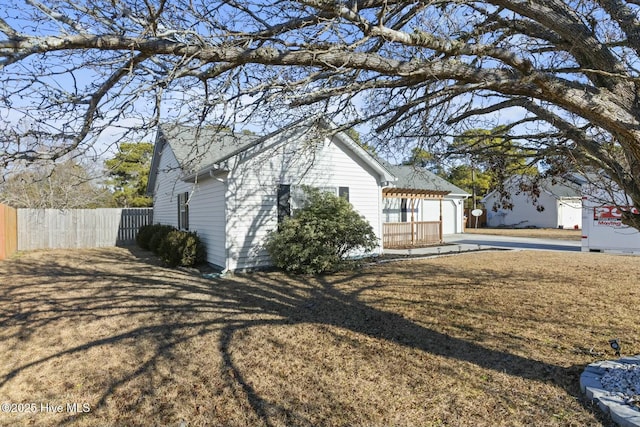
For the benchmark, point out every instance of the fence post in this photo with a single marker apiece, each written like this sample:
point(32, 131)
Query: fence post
point(8, 231)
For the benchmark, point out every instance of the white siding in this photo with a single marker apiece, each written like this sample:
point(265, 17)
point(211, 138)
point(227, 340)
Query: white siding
point(207, 218)
point(524, 212)
point(430, 210)
point(206, 206)
point(253, 185)
point(168, 185)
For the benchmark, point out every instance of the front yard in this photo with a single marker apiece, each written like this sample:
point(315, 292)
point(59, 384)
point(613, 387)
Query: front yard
point(480, 339)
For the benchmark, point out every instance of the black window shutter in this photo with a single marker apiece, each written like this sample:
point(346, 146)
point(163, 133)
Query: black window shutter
point(183, 211)
point(284, 202)
point(403, 210)
point(186, 211)
point(179, 210)
point(343, 192)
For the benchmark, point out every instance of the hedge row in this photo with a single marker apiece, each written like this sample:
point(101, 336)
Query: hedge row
point(174, 247)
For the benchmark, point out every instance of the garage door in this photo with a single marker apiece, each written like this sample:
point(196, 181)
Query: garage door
point(449, 217)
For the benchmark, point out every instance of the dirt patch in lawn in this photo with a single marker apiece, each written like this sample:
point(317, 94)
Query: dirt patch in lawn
point(543, 233)
point(482, 339)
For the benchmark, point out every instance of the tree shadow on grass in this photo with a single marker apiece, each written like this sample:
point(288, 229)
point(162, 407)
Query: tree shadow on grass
point(178, 306)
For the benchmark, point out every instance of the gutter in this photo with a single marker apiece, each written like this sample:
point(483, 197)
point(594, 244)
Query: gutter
point(212, 171)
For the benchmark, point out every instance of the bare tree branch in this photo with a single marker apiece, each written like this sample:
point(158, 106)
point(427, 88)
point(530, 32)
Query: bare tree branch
point(416, 71)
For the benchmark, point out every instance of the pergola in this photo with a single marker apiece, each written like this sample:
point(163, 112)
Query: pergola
point(414, 232)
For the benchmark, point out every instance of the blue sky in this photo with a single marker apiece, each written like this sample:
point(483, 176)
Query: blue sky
point(72, 78)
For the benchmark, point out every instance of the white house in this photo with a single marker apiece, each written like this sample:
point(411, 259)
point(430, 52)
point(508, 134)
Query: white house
point(234, 189)
point(557, 205)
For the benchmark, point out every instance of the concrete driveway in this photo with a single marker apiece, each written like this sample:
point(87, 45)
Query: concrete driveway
point(469, 242)
point(506, 242)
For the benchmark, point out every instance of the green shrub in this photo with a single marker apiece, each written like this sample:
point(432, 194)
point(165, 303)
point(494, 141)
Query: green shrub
point(319, 237)
point(145, 233)
point(182, 248)
point(156, 239)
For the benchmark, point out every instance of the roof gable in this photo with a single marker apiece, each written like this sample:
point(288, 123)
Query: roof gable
point(196, 148)
point(562, 188)
point(198, 151)
point(559, 188)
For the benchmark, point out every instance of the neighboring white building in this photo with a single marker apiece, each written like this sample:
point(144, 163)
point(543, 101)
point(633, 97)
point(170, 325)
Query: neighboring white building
point(233, 189)
point(558, 205)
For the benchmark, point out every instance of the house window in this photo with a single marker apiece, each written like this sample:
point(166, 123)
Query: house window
point(343, 192)
point(293, 197)
point(408, 206)
point(284, 202)
point(299, 198)
point(183, 211)
point(404, 207)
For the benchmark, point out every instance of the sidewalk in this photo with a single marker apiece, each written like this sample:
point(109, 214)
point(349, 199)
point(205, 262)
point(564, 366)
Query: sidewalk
point(447, 248)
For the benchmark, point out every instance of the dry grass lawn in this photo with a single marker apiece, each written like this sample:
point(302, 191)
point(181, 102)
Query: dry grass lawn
point(479, 339)
point(546, 233)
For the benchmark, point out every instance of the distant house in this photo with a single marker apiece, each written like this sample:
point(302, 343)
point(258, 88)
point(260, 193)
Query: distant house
point(558, 205)
point(234, 189)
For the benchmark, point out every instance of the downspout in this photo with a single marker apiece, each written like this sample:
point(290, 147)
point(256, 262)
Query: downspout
point(226, 225)
point(441, 227)
point(383, 184)
point(413, 225)
point(380, 218)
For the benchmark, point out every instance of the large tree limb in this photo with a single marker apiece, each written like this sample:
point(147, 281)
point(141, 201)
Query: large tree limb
point(416, 69)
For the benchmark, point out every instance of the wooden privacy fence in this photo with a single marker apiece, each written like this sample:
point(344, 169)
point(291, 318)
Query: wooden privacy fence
point(131, 221)
point(79, 228)
point(401, 234)
point(8, 231)
point(471, 220)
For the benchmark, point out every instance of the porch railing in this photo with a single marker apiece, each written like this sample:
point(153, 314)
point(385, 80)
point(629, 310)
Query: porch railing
point(401, 234)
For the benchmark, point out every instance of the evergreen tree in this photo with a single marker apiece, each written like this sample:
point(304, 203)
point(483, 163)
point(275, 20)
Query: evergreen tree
point(129, 172)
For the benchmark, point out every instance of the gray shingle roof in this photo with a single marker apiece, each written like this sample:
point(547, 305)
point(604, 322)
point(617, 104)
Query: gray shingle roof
point(416, 178)
point(198, 148)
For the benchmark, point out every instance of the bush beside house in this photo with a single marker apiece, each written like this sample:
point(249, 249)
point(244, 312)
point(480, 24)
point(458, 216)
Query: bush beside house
point(173, 246)
point(319, 237)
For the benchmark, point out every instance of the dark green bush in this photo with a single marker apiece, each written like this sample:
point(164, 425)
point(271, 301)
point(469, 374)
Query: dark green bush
point(156, 239)
point(319, 237)
point(145, 233)
point(182, 248)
